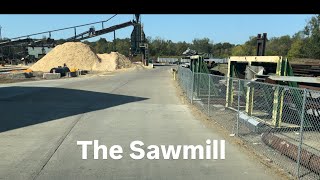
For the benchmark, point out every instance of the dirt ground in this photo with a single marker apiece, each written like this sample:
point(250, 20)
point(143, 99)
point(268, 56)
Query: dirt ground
point(38, 76)
point(221, 68)
point(6, 80)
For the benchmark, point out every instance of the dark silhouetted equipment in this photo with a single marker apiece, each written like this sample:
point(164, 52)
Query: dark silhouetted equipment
point(261, 44)
point(8, 48)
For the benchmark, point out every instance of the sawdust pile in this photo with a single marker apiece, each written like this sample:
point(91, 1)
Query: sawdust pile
point(80, 56)
point(111, 62)
point(73, 54)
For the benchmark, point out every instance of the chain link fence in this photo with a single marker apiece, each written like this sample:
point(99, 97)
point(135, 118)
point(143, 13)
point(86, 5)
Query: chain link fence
point(281, 123)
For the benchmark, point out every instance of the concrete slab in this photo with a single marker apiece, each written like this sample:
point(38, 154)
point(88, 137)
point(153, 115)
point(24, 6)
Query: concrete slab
point(51, 75)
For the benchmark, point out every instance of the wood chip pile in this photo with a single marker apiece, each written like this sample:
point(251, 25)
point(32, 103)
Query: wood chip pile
point(80, 56)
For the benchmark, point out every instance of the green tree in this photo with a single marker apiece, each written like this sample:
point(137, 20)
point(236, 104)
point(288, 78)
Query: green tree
point(238, 50)
point(247, 49)
point(123, 46)
point(102, 46)
point(203, 45)
point(296, 49)
point(312, 42)
point(181, 47)
point(278, 46)
point(222, 50)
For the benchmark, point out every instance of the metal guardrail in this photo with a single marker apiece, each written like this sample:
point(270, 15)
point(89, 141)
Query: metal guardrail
point(281, 123)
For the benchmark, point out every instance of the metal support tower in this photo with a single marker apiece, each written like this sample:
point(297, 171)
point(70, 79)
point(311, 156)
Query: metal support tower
point(261, 44)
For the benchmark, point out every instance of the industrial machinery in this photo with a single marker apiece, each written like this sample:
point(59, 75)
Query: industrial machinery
point(36, 48)
point(253, 69)
point(138, 41)
point(278, 106)
point(60, 69)
point(261, 44)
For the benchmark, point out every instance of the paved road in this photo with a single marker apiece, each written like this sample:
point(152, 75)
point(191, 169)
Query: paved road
point(42, 121)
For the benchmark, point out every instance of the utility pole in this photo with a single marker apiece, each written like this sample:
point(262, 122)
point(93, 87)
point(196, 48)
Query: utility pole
point(0, 33)
point(114, 41)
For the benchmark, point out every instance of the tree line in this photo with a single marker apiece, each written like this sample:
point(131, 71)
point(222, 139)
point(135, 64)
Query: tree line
point(162, 47)
point(303, 44)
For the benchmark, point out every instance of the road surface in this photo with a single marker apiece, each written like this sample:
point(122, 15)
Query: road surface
point(42, 121)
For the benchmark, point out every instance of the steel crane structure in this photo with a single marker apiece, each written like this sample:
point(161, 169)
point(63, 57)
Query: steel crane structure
point(8, 48)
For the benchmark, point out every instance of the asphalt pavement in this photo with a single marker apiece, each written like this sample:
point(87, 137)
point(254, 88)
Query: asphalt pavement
point(42, 121)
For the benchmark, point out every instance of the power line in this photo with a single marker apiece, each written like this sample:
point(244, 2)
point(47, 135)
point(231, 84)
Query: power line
point(72, 27)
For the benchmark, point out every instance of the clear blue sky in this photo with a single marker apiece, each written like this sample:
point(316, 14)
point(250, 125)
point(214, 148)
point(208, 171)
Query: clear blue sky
point(219, 28)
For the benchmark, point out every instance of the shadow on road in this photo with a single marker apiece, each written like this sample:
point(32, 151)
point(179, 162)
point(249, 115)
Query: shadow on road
point(42, 104)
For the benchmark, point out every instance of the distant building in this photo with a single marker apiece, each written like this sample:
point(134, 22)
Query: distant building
point(167, 60)
point(38, 52)
point(182, 60)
